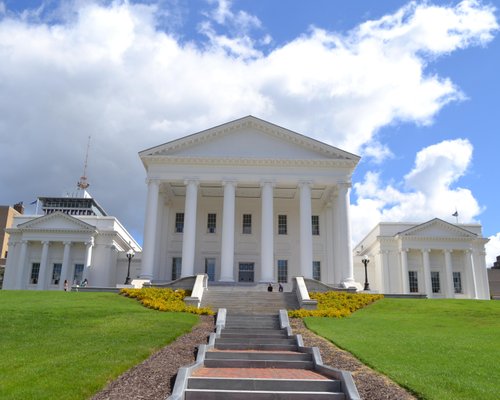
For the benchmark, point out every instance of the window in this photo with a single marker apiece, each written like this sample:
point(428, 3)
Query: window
point(436, 287)
point(78, 275)
point(210, 268)
point(413, 281)
point(457, 282)
point(282, 271)
point(35, 270)
point(56, 273)
point(282, 225)
point(211, 223)
point(179, 222)
point(247, 223)
point(317, 270)
point(176, 267)
point(315, 224)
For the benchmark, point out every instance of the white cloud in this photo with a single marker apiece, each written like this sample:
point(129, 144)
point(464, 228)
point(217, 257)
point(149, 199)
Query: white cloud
point(428, 190)
point(108, 71)
point(492, 249)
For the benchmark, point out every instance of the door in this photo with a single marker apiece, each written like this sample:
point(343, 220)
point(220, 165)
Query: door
point(246, 272)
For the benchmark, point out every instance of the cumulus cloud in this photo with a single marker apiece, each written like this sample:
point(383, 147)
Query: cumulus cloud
point(492, 249)
point(109, 71)
point(427, 191)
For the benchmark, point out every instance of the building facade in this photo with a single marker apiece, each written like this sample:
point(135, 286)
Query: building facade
point(73, 241)
point(436, 258)
point(248, 201)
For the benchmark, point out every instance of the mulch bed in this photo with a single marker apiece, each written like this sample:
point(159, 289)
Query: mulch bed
point(154, 378)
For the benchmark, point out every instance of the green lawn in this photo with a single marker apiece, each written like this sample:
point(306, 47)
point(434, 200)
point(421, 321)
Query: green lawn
point(59, 345)
point(438, 349)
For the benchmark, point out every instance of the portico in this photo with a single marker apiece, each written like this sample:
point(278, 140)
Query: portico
point(248, 201)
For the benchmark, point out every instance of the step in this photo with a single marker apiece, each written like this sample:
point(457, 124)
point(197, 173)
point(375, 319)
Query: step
point(261, 355)
point(256, 340)
point(240, 333)
point(256, 346)
point(244, 363)
point(202, 394)
point(304, 385)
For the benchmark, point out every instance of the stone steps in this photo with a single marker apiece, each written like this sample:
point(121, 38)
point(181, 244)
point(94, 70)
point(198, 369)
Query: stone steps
point(249, 302)
point(262, 345)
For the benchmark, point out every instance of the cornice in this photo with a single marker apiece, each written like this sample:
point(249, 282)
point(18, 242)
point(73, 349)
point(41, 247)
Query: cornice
point(236, 161)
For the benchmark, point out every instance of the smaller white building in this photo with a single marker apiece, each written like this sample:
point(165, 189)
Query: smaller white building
point(75, 240)
point(436, 258)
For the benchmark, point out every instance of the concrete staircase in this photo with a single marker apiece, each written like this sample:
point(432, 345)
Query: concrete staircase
point(248, 301)
point(257, 357)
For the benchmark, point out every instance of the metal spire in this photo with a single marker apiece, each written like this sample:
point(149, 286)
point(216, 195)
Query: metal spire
point(82, 183)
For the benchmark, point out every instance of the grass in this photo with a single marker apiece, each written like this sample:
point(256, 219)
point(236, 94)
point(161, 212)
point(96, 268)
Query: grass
point(438, 349)
point(59, 345)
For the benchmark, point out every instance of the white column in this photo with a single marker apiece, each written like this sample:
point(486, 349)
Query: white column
point(88, 258)
point(42, 274)
point(189, 232)
point(267, 234)
point(386, 276)
point(21, 275)
point(65, 265)
point(306, 256)
point(473, 284)
point(450, 290)
point(427, 273)
point(148, 251)
point(344, 237)
point(333, 275)
point(227, 246)
point(404, 271)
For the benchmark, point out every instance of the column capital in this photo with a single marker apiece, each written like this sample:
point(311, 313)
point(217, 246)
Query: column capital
point(344, 184)
point(153, 181)
point(90, 242)
point(267, 182)
point(229, 182)
point(404, 250)
point(45, 242)
point(426, 250)
point(447, 251)
point(304, 183)
point(191, 181)
point(67, 243)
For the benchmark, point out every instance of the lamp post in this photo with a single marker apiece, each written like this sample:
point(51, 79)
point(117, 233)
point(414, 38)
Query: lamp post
point(365, 261)
point(130, 255)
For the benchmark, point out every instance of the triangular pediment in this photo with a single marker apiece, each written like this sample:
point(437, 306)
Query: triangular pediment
point(437, 228)
point(249, 138)
point(57, 221)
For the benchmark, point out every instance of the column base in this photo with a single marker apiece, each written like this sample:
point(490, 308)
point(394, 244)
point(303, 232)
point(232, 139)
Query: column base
point(228, 280)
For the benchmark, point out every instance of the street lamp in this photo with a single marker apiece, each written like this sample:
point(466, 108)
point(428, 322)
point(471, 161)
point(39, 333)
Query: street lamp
point(130, 255)
point(365, 261)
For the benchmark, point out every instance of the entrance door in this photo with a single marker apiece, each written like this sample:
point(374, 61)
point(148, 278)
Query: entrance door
point(210, 268)
point(245, 272)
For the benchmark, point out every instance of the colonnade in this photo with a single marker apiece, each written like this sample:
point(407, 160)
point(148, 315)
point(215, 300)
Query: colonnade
point(449, 289)
point(343, 252)
point(24, 269)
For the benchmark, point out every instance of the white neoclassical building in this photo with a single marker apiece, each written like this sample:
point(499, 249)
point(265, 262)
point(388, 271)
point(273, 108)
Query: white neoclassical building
point(72, 241)
point(435, 258)
point(248, 201)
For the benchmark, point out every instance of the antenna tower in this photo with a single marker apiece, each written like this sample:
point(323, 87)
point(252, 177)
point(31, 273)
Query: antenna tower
point(82, 183)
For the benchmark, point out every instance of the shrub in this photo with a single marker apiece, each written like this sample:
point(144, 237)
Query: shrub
point(336, 304)
point(164, 300)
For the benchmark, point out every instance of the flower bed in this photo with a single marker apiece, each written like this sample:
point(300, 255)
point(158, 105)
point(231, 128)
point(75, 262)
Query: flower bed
point(165, 300)
point(336, 304)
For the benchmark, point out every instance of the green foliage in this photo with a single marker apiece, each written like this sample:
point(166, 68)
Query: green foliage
point(68, 345)
point(336, 304)
point(165, 300)
point(438, 349)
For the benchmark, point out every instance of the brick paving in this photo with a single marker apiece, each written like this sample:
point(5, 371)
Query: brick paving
point(258, 373)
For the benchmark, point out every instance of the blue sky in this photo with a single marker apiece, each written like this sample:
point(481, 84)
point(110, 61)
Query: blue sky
point(412, 87)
